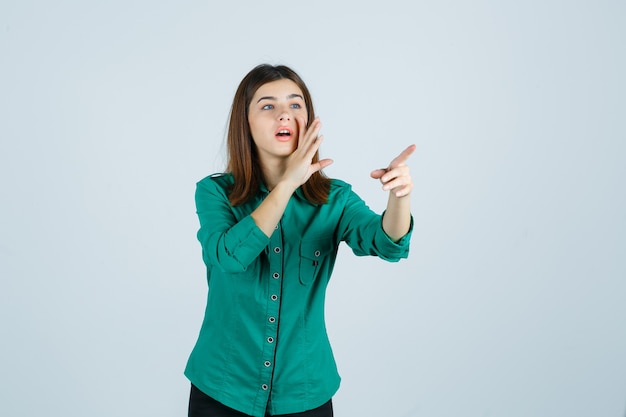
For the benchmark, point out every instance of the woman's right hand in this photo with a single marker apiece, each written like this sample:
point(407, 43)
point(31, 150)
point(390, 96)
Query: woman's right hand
point(300, 164)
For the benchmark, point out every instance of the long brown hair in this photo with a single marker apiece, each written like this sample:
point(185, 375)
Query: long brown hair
point(243, 160)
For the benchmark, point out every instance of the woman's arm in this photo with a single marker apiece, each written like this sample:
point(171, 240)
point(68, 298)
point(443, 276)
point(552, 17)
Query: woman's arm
point(270, 211)
point(397, 180)
point(298, 169)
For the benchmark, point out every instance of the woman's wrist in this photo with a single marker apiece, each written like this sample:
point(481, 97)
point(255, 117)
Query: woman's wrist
point(286, 186)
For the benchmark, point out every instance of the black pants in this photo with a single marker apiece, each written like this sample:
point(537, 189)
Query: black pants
point(201, 405)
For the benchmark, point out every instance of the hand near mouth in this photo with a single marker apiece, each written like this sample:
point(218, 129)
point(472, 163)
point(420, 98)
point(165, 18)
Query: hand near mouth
point(301, 164)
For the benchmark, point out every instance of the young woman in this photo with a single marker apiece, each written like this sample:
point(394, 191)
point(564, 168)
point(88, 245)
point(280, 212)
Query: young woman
point(270, 228)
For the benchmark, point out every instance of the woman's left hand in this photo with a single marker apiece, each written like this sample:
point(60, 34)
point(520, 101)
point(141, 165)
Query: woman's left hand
point(396, 177)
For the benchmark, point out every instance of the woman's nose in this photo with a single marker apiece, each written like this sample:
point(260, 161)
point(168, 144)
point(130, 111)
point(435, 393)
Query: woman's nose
point(284, 116)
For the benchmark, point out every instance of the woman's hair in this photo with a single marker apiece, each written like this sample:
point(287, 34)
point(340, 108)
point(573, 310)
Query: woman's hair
point(243, 159)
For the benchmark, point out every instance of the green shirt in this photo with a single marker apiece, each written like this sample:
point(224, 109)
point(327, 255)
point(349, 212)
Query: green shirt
point(263, 342)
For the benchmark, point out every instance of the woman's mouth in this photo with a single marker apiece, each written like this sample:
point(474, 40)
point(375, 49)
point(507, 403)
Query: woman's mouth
point(283, 134)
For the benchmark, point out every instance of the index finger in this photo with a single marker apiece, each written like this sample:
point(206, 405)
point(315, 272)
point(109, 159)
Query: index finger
point(403, 157)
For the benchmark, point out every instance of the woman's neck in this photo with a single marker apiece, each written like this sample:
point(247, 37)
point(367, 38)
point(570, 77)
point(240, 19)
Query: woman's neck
point(272, 173)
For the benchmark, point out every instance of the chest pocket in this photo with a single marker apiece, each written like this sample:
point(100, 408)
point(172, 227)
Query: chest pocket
point(312, 254)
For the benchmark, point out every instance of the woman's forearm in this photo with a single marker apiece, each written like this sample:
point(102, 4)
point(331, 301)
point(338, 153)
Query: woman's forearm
point(270, 211)
point(397, 217)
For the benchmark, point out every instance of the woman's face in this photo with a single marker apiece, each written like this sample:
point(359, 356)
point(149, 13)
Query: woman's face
point(272, 117)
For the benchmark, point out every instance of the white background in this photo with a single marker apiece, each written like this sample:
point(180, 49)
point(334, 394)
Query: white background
point(513, 300)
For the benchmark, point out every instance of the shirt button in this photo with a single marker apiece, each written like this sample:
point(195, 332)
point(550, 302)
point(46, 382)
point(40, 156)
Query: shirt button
point(275, 275)
point(270, 339)
point(272, 319)
point(274, 297)
point(276, 249)
point(317, 253)
point(267, 364)
point(265, 387)
point(276, 227)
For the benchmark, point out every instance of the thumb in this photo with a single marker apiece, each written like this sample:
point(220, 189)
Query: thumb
point(319, 165)
point(325, 162)
point(377, 173)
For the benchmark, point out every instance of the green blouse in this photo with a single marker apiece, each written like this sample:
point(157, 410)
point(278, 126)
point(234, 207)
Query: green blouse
point(263, 342)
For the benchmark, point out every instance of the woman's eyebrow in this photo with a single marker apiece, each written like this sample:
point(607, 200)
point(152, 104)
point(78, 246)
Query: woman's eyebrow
point(290, 96)
point(266, 98)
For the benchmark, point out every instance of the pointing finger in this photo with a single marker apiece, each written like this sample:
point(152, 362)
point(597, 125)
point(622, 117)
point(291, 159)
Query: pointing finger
point(403, 157)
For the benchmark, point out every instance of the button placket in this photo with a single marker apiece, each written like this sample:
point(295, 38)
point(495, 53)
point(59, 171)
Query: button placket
point(274, 288)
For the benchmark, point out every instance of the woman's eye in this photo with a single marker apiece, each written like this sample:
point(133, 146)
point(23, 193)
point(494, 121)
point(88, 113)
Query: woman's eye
point(296, 106)
point(267, 107)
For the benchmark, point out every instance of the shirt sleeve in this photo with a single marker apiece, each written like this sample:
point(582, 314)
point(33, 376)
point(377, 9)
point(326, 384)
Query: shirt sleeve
point(362, 230)
point(227, 243)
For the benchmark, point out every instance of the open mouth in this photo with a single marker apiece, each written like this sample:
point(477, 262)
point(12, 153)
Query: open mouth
point(284, 134)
